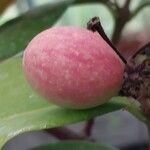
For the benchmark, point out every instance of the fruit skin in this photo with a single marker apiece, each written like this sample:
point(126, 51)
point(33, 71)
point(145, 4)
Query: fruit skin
point(73, 67)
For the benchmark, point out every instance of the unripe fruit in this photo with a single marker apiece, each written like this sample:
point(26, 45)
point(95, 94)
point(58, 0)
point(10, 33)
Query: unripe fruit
point(73, 67)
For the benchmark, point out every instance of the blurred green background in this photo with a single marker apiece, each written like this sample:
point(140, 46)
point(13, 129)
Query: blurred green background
point(80, 14)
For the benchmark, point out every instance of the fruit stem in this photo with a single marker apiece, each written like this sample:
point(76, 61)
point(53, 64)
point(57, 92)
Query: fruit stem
point(142, 49)
point(88, 127)
point(63, 133)
point(148, 128)
point(95, 25)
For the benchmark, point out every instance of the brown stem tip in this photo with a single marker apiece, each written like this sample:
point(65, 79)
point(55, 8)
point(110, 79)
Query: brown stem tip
point(95, 25)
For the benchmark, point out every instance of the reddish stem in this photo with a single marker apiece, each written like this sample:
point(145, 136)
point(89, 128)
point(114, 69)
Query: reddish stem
point(143, 48)
point(64, 133)
point(88, 127)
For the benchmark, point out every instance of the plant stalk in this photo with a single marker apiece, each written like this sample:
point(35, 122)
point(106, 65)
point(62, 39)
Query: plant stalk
point(88, 127)
point(148, 129)
point(63, 133)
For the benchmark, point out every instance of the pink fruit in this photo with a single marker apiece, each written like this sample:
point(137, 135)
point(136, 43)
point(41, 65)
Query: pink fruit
point(73, 67)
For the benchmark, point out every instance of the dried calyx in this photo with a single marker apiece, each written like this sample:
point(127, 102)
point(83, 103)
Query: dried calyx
point(136, 82)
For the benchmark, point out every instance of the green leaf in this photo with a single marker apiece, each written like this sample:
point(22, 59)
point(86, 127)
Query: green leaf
point(75, 145)
point(15, 34)
point(21, 109)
